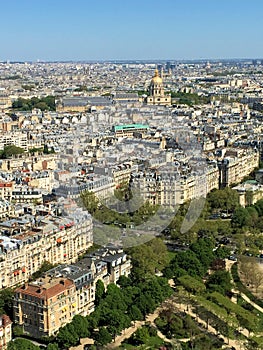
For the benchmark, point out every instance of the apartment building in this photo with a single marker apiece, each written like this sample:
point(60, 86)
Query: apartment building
point(26, 194)
point(26, 245)
point(128, 130)
point(43, 306)
point(5, 331)
point(171, 188)
point(35, 163)
point(102, 186)
point(235, 166)
point(6, 208)
point(16, 138)
point(6, 189)
point(120, 173)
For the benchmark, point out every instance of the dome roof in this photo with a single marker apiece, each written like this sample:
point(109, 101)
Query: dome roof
point(156, 79)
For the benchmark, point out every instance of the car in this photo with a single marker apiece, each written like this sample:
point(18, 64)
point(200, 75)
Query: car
point(232, 258)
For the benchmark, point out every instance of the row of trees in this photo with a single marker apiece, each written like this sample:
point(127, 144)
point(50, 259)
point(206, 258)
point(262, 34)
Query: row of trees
point(190, 99)
point(10, 150)
point(44, 104)
point(105, 215)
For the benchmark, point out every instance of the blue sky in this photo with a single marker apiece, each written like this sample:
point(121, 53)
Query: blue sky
point(130, 29)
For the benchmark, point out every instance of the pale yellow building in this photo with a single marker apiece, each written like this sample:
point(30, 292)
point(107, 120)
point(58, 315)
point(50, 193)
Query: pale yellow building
point(42, 307)
point(57, 240)
point(5, 331)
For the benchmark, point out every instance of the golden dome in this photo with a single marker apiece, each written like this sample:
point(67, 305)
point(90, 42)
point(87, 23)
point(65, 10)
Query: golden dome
point(156, 79)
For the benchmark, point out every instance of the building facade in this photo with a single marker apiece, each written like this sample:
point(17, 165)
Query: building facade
point(53, 239)
point(5, 331)
point(43, 306)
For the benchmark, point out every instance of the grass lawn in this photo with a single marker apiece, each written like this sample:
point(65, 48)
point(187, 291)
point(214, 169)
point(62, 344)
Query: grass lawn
point(152, 343)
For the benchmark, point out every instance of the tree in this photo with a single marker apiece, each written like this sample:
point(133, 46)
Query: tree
point(219, 281)
point(141, 336)
point(124, 281)
point(145, 304)
point(45, 150)
point(240, 218)
point(148, 258)
point(11, 150)
point(100, 292)
point(192, 284)
point(189, 262)
point(102, 337)
point(52, 346)
point(89, 201)
point(6, 302)
point(116, 321)
point(135, 313)
point(81, 326)
point(224, 199)
point(203, 250)
point(67, 336)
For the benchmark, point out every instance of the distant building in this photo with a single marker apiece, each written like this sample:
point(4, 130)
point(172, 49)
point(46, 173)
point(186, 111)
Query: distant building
point(234, 167)
point(128, 130)
point(5, 101)
point(157, 95)
point(83, 104)
point(249, 192)
point(125, 97)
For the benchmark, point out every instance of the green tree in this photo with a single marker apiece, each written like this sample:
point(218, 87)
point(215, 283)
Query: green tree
point(124, 281)
point(188, 262)
point(148, 258)
point(145, 304)
point(89, 201)
point(192, 284)
point(240, 218)
point(219, 281)
point(100, 292)
point(11, 150)
point(141, 336)
point(102, 336)
point(6, 302)
point(203, 250)
point(135, 313)
point(81, 326)
point(225, 199)
point(52, 346)
point(67, 336)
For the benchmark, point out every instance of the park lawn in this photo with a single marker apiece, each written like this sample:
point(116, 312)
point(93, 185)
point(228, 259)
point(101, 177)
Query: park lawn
point(152, 343)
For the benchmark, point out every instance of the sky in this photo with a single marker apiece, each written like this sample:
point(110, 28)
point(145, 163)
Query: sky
point(83, 30)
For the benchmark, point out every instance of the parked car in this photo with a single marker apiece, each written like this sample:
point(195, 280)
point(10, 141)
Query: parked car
point(232, 257)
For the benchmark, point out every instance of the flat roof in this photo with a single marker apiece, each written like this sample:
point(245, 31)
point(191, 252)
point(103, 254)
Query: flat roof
point(130, 126)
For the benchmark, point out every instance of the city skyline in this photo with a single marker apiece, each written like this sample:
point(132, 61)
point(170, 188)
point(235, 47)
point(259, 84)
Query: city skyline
point(83, 31)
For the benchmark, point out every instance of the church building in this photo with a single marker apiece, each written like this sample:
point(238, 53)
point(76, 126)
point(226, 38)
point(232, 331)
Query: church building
point(156, 90)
